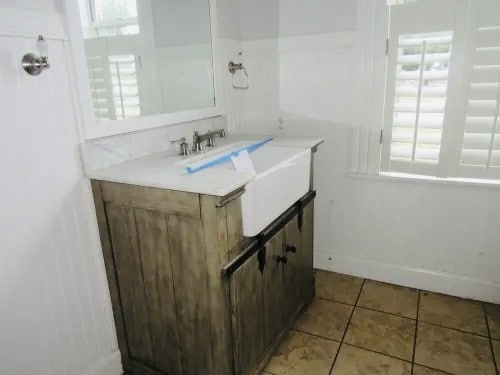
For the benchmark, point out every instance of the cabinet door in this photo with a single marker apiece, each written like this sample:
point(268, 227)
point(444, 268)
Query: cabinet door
point(143, 266)
point(273, 290)
point(247, 317)
point(292, 278)
point(306, 251)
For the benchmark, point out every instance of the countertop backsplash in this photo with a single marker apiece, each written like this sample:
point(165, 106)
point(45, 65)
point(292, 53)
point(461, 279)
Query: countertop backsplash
point(105, 152)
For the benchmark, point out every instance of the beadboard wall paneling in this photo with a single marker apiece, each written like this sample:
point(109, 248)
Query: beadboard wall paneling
point(55, 313)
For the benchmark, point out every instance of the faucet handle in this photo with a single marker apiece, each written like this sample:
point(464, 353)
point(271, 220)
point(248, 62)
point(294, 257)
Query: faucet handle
point(183, 146)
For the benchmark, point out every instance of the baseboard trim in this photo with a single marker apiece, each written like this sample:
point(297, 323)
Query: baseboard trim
point(111, 365)
point(435, 281)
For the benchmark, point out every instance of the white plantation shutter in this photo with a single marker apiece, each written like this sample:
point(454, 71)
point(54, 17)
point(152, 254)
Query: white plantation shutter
point(420, 48)
point(125, 86)
point(442, 94)
point(420, 96)
point(101, 88)
point(480, 148)
point(114, 77)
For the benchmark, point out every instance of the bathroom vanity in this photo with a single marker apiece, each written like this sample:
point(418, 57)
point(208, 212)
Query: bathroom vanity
point(191, 293)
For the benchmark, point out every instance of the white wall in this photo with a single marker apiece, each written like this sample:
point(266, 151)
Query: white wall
point(41, 5)
point(55, 313)
point(433, 236)
point(181, 23)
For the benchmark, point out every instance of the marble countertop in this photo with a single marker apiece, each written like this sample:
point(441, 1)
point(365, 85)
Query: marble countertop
point(167, 171)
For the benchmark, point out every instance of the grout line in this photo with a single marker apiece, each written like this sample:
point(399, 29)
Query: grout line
point(346, 327)
point(415, 337)
point(366, 308)
point(385, 312)
point(454, 329)
point(489, 337)
point(315, 335)
point(434, 369)
point(377, 352)
point(402, 316)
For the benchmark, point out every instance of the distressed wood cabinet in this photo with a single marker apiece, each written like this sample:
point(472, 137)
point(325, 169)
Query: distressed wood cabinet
point(190, 294)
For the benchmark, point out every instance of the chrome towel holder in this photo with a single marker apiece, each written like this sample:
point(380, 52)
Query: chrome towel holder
point(233, 69)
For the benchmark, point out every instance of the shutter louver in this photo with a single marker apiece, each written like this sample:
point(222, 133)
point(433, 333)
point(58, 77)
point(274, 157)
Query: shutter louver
point(420, 96)
point(99, 86)
point(481, 143)
point(125, 86)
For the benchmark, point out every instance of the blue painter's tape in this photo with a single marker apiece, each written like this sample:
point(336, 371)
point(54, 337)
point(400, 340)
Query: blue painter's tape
point(225, 158)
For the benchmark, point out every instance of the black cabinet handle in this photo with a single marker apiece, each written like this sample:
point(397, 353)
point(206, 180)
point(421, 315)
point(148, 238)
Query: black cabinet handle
point(281, 259)
point(291, 249)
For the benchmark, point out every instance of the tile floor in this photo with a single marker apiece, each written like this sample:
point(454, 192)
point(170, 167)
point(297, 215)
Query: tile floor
point(363, 327)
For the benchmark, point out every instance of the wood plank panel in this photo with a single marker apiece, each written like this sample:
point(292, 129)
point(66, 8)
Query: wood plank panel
point(189, 269)
point(307, 244)
point(215, 233)
point(128, 267)
point(109, 263)
point(273, 291)
point(137, 368)
point(173, 202)
point(234, 223)
point(248, 319)
point(159, 288)
point(292, 278)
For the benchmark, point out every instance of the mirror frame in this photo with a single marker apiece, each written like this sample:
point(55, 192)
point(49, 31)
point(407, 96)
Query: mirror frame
point(92, 129)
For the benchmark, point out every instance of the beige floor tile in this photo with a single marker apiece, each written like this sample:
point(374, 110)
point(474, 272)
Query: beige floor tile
point(383, 333)
point(325, 318)
point(452, 351)
point(496, 350)
point(389, 298)
point(493, 312)
point(303, 354)
point(420, 370)
point(453, 312)
point(356, 361)
point(337, 287)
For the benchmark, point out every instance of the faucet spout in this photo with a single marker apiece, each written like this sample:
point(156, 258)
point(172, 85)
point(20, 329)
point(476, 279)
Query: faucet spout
point(209, 137)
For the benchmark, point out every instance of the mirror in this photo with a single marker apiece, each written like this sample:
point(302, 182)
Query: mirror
point(148, 57)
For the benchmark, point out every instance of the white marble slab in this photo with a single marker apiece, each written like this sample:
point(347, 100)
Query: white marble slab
point(167, 170)
point(105, 152)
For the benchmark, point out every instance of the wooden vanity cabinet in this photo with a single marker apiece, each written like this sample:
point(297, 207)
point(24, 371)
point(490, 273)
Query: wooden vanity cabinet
point(177, 309)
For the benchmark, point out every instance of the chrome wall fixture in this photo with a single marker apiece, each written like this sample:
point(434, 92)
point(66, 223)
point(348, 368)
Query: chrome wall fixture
point(234, 68)
point(34, 64)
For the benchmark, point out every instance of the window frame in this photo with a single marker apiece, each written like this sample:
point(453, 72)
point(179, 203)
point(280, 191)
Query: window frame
point(368, 136)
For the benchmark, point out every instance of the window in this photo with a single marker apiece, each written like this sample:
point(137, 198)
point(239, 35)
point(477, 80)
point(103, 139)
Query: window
point(442, 95)
point(106, 18)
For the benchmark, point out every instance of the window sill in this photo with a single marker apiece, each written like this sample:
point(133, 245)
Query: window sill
point(409, 178)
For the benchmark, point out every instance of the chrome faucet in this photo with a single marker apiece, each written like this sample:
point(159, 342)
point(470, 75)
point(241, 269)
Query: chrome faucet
point(209, 137)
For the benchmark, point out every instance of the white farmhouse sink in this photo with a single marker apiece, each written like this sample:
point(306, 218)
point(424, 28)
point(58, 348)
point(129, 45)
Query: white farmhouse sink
point(282, 179)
